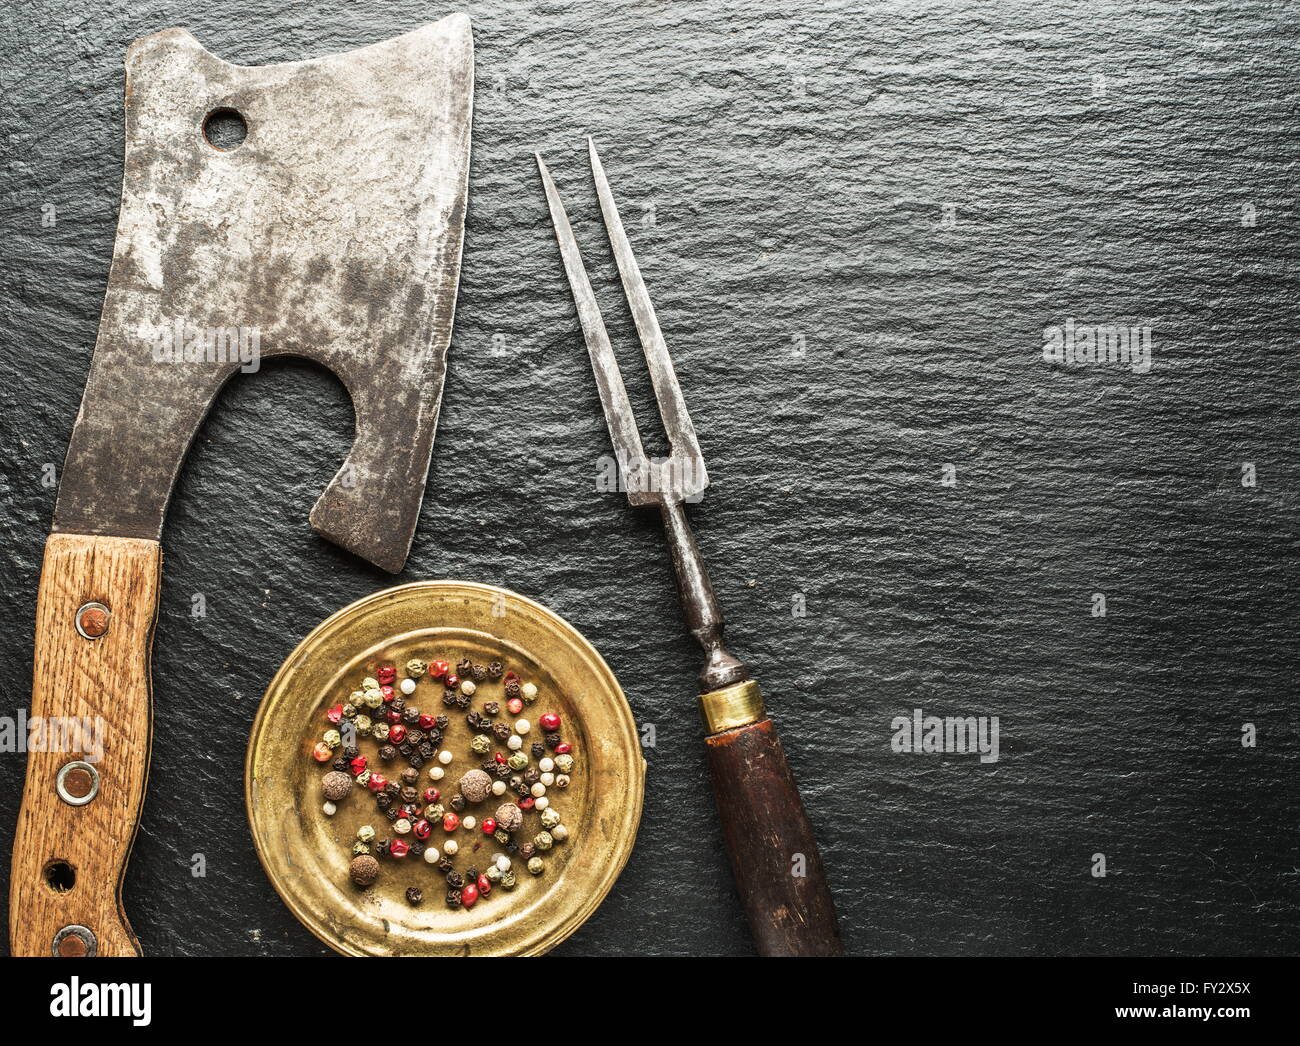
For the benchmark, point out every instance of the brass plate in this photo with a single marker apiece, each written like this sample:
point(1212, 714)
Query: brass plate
point(306, 854)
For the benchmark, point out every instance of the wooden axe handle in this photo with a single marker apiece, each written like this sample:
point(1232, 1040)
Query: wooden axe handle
point(92, 695)
point(774, 856)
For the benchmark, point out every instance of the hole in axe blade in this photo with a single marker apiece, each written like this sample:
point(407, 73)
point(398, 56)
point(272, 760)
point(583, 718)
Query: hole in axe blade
point(225, 129)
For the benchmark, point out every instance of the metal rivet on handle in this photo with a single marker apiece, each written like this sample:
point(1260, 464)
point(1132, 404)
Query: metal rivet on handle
point(92, 620)
point(77, 783)
point(73, 942)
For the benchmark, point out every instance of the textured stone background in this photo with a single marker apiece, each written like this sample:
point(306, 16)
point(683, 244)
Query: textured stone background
point(797, 159)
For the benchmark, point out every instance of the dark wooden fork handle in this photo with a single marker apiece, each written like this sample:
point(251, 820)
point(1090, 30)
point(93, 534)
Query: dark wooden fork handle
point(774, 857)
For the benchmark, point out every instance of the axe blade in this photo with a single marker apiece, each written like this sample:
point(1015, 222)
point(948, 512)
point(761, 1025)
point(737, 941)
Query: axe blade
point(332, 232)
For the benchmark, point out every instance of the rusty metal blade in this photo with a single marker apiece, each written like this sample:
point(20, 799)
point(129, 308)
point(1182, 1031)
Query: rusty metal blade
point(609, 380)
point(333, 232)
point(684, 473)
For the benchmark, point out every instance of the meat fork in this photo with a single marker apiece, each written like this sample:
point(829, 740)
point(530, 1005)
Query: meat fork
point(774, 857)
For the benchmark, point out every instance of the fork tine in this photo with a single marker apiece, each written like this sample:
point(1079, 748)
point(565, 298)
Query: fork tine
point(613, 394)
point(668, 392)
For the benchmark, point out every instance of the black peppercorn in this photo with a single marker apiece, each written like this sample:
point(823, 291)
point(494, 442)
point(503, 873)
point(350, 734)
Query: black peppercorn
point(472, 720)
point(457, 803)
point(551, 740)
point(405, 748)
point(409, 777)
point(416, 737)
point(351, 752)
point(387, 753)
point(416, 760)
point(453, 898)
point(381, 848)
point(341, 765)
point(414, 895)
point(501, 732)
point(433, 737)
point(532, 775)
point(513, 688)
point(462, 701)
point(495, 669)
point(449, 698)
point(392, 813)
point(445, 865)
point(538, 749)
point(491, 707)
point(411, 716)
point(501, 836)
point(443, 722)
point(393, 788)
point(522, 789)
point(417, 848)
point(479, 672)
point(410, 794)
point(383, 800)
point(501, 770)
point(465, 668)
point(396, 704)
point(471, 873)
point(455, 880)
point(427, 750)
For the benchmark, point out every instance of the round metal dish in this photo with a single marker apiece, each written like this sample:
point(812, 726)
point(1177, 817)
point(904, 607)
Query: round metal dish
point(306, 854)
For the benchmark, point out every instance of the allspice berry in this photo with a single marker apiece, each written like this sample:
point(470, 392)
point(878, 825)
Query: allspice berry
point(336, 785)
point(364, 870)
point(509, 817)
point(476, 786)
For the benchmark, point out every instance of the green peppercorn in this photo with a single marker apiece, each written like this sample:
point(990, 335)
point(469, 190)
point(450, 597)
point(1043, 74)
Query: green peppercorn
point(349, 711)
point(482, 744)
point(416, 668)
point(536, 866)
point(502, 836)
point(550, 818)
point(543, 841)
point(494, 874)
point(564, 763)
point(518, 761)
point(373, 698)
point(364, 725)
point(360, 849)
point(365, 833)
point(508, 880)
point(332, 738)
point(379, 731)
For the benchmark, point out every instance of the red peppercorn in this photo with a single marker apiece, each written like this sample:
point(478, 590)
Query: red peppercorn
point(469, 895)
point(335, 714)
point(484, 886)
point(399, 848)
point(393, 717)
point(385, 675)
point(432, 795)
point(358, 764)
point(428, 722)
point(322, 753)
point(376, 782)
point(452, 681)
point(489, 826)
point(396, 734)
point(514, 706)
point(438, 669)
point(450, 822)
point(422, 828)
point(563, 748)
point(501, 758)
point(550, 722)
point(388, 692)
point(527, 802)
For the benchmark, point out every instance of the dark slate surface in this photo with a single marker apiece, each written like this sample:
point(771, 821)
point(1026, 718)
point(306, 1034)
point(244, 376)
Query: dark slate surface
point(797, 159)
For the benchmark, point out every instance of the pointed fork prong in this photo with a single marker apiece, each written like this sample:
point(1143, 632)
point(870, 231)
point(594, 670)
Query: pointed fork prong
point(613, 394)
point(687, 475)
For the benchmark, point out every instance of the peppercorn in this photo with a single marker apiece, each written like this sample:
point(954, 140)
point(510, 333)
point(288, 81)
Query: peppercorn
point(428, 721)
point(550, 818)
point(455, 880)
point(449, 698)
point(509, 817)
point(381, 848)
point(415, 736)
point(387, 753)
point(538, 749)
point(385, 674)
point(450, 822)
point(464, 667)
point(494, 874)
point(536, 866)
point(502, 836)
point(445, 865)
point(501, 731)
point(416, 761)
point(453, 898)
point(527, 802)
point(468, 687)
point(508, 880)
point(489, 826)
point(552, 740)
point(364, 870)
point(462, 701)
point(414, 895)
point(438, 669)
point(564, 763)
point(411, 717)
point(514, 706)
point(443, 722)
point(526, 850)
point(457, 803)
point(495, 669)
point(469, 895)
point(561, 780)
point(410, 794)
point(531, 775)
point(340, 764)
point(399, 848)
point(417, 848)
point(359, 848)
point(517, 761)
point(512, 688)
point(415, 667)
point(482, 744)
point(322, 752)
point(336, 785)
point(383, 800)
point(479, 672)
point(559, 833)
point(523, 788)
point(549, 722)
point(402, 826)
point(471, 873)
point(475, 786)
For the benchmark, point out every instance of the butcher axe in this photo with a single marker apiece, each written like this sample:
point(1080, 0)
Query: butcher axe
point(332, 232)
